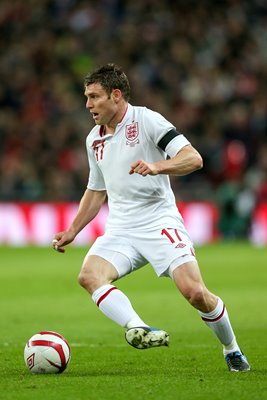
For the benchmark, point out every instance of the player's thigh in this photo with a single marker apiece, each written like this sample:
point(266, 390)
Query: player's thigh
point(187, 276)
point(118, 251)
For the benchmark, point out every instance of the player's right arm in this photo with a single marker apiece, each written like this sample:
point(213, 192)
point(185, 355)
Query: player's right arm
point(89, 207)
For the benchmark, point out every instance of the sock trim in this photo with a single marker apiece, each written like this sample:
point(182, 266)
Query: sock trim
point(101, 298)
point(214, 319)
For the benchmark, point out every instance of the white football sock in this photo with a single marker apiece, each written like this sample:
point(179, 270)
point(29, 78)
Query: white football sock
point(116, 306)
point(218, 320)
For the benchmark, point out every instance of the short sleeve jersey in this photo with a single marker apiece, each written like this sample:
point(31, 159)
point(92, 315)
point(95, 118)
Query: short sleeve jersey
point(134, 201)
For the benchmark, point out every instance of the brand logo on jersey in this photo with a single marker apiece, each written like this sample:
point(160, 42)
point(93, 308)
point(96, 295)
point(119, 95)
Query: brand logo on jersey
point(131, 133)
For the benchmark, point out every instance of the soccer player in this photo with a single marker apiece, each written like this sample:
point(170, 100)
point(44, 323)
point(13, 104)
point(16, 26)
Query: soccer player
point(132, 151)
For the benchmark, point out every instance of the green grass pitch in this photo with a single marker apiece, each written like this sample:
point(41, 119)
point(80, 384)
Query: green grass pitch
point(39, 291)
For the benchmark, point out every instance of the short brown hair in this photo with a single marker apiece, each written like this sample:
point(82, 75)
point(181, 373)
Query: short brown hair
point(110, 76)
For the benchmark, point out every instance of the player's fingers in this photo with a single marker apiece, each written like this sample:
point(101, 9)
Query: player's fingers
point(57, 247)
point(135, 166)
point(142, 169)
point(145, 172)
point(139, 168)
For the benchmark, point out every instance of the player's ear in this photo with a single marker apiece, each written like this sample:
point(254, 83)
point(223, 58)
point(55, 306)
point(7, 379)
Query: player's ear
point(116, 95)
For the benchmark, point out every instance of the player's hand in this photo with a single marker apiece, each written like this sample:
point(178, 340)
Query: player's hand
point(61, 239)
point(143, 168)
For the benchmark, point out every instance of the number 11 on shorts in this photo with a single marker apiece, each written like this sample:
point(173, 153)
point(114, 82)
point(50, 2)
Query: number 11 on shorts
point(172, 234)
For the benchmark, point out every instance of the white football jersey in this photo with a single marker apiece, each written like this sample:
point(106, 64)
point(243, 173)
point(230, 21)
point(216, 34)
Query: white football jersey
point(134, 201)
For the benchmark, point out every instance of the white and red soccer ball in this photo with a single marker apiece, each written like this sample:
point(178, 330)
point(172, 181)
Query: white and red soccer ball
point(47, 353)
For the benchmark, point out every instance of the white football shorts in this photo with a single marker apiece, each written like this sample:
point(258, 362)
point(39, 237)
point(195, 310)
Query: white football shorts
point(164, 248)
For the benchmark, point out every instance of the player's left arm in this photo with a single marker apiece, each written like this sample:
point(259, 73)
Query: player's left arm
point(187, 160)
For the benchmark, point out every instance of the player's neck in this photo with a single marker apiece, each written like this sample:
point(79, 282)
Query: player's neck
point(117, 119)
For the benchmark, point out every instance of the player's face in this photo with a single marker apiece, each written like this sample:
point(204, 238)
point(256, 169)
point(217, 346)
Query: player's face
point(103, 107)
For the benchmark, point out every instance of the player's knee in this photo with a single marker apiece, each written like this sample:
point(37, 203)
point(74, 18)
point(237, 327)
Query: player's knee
point(83, 279)
point(88, 280)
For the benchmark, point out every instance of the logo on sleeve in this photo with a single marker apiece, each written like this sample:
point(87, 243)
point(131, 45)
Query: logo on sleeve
point(131, 133)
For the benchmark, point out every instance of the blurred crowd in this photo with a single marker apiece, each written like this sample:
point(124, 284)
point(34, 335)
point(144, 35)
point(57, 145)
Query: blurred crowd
point(202, 64)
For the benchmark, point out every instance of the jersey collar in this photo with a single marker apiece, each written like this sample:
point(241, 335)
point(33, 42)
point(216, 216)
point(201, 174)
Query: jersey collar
point(127, 115)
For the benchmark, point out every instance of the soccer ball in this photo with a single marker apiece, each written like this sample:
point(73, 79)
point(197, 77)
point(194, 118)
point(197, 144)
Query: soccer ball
point(47, 353)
